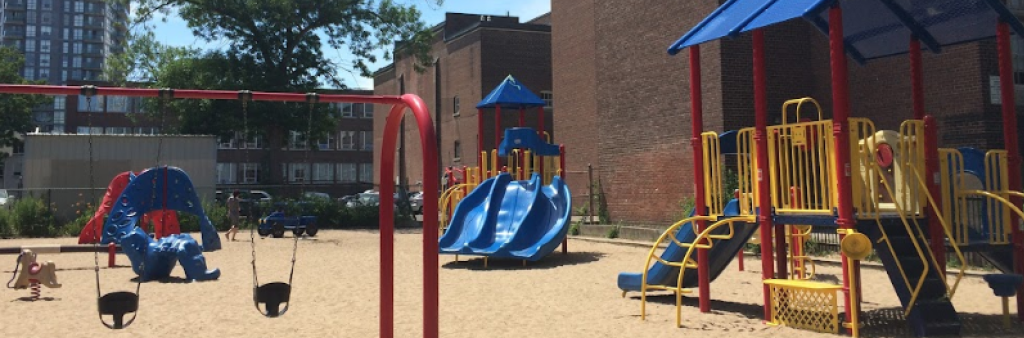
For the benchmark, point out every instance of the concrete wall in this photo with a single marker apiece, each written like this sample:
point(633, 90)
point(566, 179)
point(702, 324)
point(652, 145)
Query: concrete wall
point(56, 167)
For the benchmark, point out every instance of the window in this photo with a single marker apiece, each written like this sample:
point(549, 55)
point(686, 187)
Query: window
point(58, 117)
point(367, 140)
point(457, 149)
point(455, 106)
point(96, 104)
point(30, 31)
point(44, 59)
point(79, 7)
point(368, 111)
point(226, 173)
point(347, 139)
point(147, 130)
point(296, 141)
point(1017, 50)
point(346, 110)
point(86, 131)
point(323, 172)
point(548, 98)
point(347, 172)
point(254, 142)
point(117, 104)
point(44, 46)
point(250, 173)
point(30, 73)
point(117, 131)
point(366, 172)
point(76, 62)
point(59, 102)
point(228, 142)
point(357, 109)
point(47, 4)
point(328, 143)
point(30, 45)
point(78, 33)
point(31, 4)
point(45, 31)
point(297, 172)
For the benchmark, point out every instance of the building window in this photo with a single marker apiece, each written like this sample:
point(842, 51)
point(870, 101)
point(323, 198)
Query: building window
point(328, 143)
point(1017, 48)
point(117, 130)
point(346, 110)
point(347, 172)
point(296, 141)
point(297, 172)
point(147, 130)
point(455, 106)
point(366, 172)
point(228, 142)
point(367, 138)
point(226, 173)
point(117, 104)
point(250, 173)
point(548, 98)
point(457, 150)
point(368, 111)
point(90, 104)
point(323, 172)
point(347, 139)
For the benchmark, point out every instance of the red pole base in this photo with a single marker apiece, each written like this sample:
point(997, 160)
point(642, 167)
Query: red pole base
point(111, 255)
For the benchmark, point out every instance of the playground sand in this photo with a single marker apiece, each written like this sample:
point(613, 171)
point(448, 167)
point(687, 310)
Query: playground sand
point(336, 295)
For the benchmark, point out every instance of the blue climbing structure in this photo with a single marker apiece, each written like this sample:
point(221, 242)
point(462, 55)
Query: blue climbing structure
point(167, 188)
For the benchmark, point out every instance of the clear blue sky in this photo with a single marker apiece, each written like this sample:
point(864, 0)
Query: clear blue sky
point(175, 32)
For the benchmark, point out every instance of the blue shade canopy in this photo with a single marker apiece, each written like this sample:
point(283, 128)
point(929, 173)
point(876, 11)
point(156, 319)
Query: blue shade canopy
point(872, 29)
point(511, 94)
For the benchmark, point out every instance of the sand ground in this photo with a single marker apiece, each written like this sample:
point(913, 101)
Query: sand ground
point(336, 295)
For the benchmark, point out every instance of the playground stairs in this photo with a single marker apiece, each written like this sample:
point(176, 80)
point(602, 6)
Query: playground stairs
point(932, 314)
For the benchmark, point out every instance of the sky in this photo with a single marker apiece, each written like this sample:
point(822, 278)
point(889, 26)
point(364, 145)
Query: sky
point(174, 31)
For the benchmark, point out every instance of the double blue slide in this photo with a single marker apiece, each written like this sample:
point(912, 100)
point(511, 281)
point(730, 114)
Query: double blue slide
point(506, 218)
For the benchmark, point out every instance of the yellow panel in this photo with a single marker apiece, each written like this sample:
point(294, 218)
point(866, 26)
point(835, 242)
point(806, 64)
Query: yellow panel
point(804, 305)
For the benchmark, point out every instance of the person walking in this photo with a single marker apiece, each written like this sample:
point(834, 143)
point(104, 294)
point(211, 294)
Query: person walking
point(233, 215)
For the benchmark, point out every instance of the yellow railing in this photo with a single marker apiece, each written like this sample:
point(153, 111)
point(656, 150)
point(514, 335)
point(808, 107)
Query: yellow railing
point(746, 167)
point(799, 104)
point(955, 205)
point(909, 164)
point(997, 180)
point(449, 199)
point(704, 240)
point(800, 157)
point(800, 263)
point(866, 194)
point(712, 173)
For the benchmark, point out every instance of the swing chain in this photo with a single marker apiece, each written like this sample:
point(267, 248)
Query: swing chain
point(88, 91)
point(245, 96)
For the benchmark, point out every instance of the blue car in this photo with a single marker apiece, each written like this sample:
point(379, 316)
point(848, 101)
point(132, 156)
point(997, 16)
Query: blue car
point(277, 222)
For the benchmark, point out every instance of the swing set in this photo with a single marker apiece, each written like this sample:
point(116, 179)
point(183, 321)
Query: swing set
point(272, 295)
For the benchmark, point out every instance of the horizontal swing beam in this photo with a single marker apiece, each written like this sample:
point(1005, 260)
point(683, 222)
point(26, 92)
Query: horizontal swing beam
point(196, 94)
point(50, 249)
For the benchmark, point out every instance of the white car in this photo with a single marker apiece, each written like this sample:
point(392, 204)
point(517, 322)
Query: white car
point(5, 198)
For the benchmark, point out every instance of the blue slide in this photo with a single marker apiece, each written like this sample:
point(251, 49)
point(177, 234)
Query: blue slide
point(721, 254)
point(505, 218)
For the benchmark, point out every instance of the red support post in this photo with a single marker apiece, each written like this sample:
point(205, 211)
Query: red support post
point(696, 128)
point(479, 137)
point(1009, 105)
point(931, 167)
point(916, 78)
point(387, 188)
point(841, 135)
point(111, 254)
point(764, 201)
point(497, 128)
point(540, 132)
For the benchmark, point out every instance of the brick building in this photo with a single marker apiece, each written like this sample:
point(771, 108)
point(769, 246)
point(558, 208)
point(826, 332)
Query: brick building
point(340, 165)
point(473, 54)
point(624, 102)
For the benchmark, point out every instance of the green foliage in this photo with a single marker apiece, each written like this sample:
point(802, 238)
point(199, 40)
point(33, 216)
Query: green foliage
point(601, 203)
point(574, 229)
point(730, 183)
point(269, 46)
point(329, 214)
point(216, 212)
point(30, 217)
point(15, 110)
point(686, 206)
point(613, 232)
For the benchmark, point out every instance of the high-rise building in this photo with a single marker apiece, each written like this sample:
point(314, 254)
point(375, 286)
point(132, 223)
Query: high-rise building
point(63, 40)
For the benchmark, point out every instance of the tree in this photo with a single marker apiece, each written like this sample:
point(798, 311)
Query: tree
point(15, 110)
point(273, 45)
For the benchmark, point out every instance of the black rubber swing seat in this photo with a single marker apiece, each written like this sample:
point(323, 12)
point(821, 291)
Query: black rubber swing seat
point(117, 304)
point(271, 295)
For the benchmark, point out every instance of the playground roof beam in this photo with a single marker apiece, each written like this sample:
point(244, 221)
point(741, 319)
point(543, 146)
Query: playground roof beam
point(915, 27)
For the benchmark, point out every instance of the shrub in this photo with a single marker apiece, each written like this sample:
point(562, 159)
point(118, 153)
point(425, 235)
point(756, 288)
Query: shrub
point(218, 215)
point(30, 217)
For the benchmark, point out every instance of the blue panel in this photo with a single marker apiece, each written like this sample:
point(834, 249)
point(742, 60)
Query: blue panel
point(727, 142)
point(512, 94)
point(723, 24)
point(782, 11)
point(526, 138)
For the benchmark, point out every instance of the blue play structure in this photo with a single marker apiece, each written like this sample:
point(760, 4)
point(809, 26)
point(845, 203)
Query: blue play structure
point(720, 255)
point(505, 218)
point(173, 191)
point(277, 222)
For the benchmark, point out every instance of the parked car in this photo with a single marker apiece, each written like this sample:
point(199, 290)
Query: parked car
point(247, 199)
point(314, 194)
point(416, 201)
point(277, 222)
point(6, 198)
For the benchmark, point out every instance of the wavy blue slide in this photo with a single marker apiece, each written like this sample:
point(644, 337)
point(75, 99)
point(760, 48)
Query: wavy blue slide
point(505, 218)
point(720, 255)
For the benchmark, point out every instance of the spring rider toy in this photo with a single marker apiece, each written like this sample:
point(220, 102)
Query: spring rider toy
point(33, 274)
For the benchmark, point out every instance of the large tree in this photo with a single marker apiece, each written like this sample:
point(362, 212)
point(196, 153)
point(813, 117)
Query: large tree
point(271, 45)
point(15, 110)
